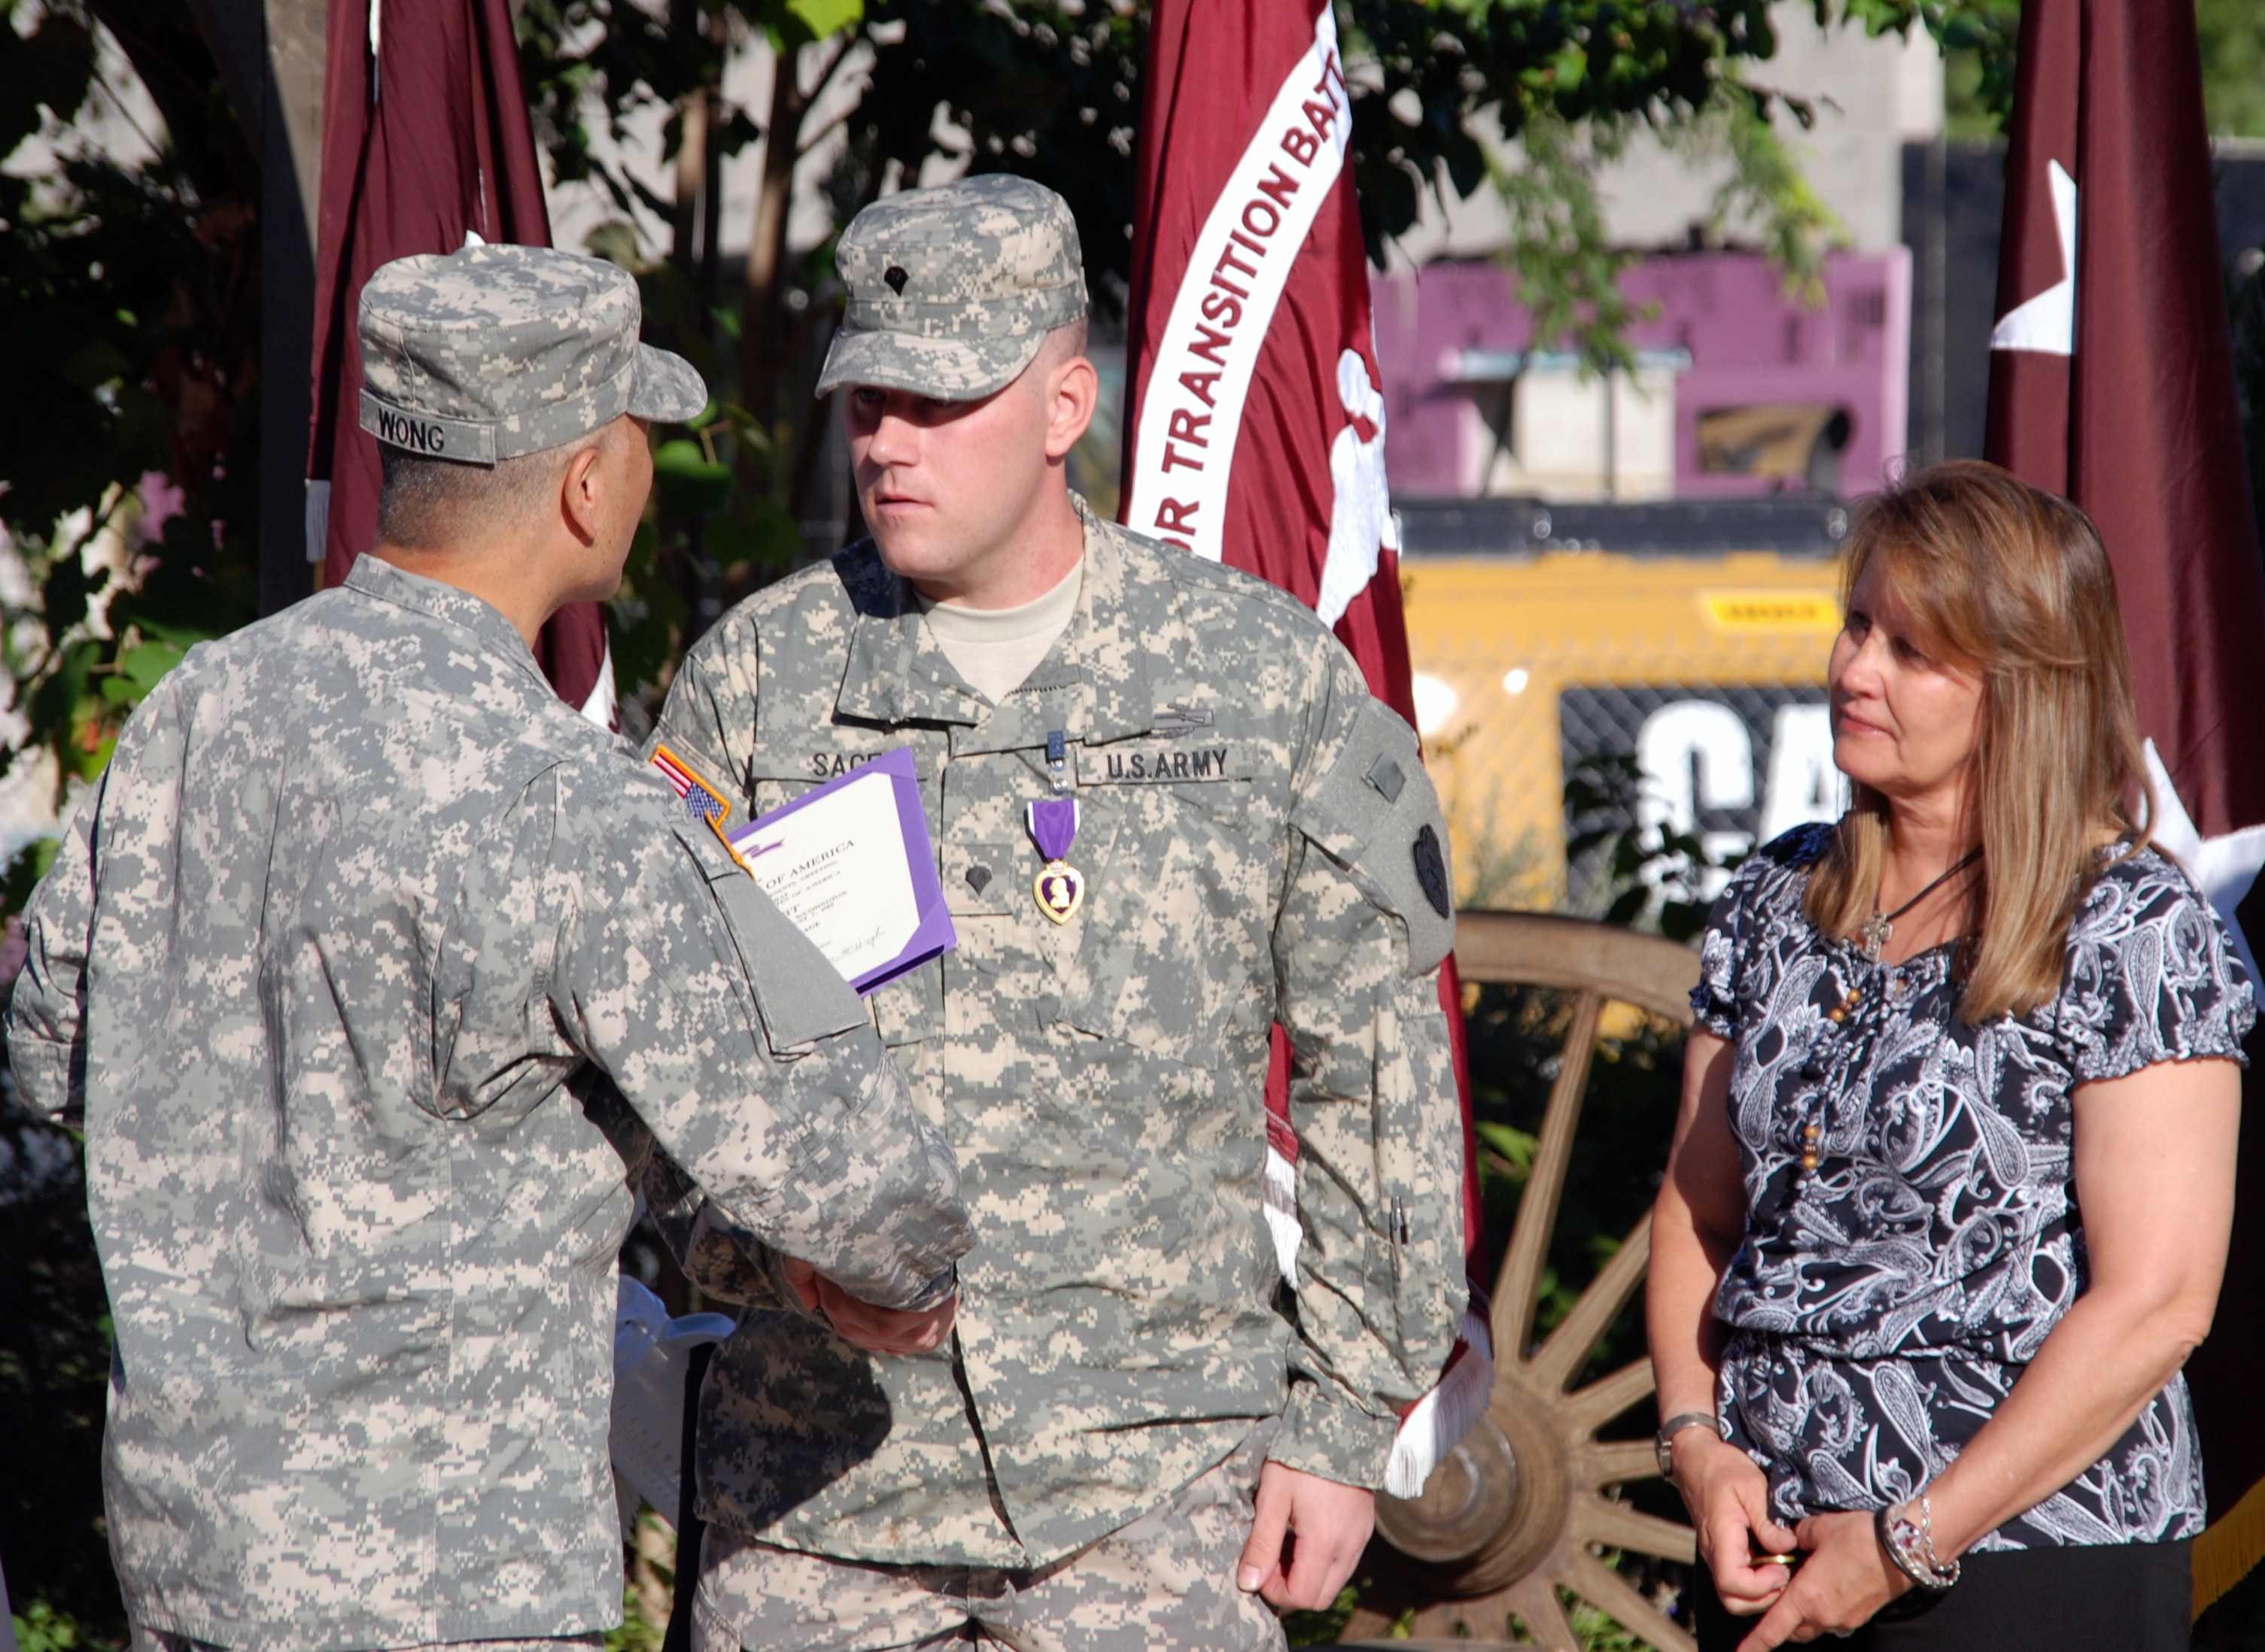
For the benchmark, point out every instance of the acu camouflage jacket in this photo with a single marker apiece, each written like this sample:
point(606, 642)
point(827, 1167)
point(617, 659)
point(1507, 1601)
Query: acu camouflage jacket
point(1248, 819)
point(333, 971)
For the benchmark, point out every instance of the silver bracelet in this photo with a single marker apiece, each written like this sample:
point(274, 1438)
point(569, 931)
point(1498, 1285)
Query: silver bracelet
point(1927, 1538)
point(1912, 1547)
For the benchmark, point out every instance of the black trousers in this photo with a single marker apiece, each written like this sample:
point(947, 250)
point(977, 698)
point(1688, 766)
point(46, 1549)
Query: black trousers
point(2119, 1598)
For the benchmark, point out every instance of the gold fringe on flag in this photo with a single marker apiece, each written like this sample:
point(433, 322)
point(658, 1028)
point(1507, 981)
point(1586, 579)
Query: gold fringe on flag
point(2223, 1554)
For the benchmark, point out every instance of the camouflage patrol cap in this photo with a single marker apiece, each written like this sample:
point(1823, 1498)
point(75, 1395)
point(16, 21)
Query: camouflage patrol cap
point(493, 352)
point(953, 290)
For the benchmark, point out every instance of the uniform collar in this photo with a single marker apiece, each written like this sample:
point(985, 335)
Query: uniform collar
point(896, 671)
point(1095, 683)
point(375, 578)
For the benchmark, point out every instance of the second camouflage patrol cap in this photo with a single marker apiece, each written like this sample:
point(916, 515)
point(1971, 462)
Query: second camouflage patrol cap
point(953, 290)
point(493, 352)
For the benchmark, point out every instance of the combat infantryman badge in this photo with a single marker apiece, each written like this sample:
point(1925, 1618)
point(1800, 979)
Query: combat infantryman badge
point(1060, 887)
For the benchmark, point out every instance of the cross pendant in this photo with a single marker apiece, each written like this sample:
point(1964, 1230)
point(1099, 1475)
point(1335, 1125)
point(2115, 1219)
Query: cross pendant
point(1876, 932)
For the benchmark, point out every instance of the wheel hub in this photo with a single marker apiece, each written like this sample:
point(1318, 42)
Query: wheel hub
point(1495, 1506)
point(1469, 1499)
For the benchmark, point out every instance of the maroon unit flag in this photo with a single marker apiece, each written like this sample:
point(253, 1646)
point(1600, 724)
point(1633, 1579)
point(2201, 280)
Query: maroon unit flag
point(425, 147)
point(1254, 428)
point(2111, 381)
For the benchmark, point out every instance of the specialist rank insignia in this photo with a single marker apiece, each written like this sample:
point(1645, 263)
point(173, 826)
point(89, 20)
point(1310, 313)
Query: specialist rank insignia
point(702, 801)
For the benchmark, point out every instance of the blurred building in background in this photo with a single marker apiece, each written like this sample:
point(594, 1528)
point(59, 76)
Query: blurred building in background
point(1636, 572)
point(1738, 388)
point(1631, 576)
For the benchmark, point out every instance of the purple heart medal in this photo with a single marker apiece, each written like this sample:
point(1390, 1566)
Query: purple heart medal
point(1060, 887)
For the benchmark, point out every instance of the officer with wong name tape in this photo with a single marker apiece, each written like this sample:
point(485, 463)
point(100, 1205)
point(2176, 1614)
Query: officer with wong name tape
point(363, 966)
point(1170, 817)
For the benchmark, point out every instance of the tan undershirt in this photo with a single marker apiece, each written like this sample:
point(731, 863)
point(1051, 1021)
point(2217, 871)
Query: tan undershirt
point(995, 649)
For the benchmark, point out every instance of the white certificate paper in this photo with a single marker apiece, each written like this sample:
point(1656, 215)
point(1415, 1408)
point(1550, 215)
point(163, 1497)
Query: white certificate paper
point(850, 864)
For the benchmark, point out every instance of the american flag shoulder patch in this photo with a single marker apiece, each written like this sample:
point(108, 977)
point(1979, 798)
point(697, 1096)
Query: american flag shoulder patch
point(701, 800)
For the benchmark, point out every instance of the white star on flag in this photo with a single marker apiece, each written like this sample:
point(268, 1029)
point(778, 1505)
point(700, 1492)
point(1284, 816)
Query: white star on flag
point(2047, 323)
point(2223, 867)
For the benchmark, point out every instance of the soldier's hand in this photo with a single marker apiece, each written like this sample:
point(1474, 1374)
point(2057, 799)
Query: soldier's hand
point(877, 1330)
point(1307, 1537)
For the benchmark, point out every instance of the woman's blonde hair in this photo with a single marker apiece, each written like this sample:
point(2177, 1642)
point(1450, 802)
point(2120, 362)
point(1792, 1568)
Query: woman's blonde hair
point(2012, 582)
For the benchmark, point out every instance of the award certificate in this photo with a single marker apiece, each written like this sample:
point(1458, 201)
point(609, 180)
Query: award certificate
point(851, 865)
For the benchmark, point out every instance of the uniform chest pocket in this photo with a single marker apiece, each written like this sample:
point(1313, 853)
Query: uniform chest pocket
point(1171, 950)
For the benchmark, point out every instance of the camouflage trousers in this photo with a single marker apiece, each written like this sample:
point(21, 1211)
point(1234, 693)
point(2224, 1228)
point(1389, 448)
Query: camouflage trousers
point(166, 1640)
point(1167, 1580)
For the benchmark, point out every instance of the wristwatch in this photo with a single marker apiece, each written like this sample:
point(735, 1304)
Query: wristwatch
point(1664, 1442)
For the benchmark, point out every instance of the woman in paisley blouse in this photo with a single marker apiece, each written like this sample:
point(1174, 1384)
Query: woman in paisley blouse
point(1951, 1185)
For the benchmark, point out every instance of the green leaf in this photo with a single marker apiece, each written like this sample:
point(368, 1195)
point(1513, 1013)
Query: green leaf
point(646, 617)
point(822, 18)
point(745, 425)
point(183, 638)
point(615, 242)
point(690, 484)
point(1514, 1144)
point(89, 765)
point(1569, 67)
point(145, 665)
point(761, 533)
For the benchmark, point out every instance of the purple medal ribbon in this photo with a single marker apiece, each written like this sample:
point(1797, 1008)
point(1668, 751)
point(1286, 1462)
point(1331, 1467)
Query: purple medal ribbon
point(1054, 825)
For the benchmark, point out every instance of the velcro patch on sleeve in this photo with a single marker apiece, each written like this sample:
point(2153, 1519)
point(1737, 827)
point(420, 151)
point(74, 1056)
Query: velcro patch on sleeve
point(801, 996)
point(1376, 811)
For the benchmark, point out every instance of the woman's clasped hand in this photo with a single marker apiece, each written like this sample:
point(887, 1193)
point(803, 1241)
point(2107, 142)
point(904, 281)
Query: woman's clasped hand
point(1844, 1578)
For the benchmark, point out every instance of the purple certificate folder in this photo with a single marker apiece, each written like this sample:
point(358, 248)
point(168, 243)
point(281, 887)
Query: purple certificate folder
point(850, 863)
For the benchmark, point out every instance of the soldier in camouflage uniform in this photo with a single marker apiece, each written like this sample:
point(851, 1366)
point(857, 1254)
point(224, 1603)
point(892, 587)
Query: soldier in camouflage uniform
point(1129, 1412)
point(354, 967)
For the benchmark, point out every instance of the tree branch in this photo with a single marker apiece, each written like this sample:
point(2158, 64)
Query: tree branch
point(840, 55)
point(824, 131)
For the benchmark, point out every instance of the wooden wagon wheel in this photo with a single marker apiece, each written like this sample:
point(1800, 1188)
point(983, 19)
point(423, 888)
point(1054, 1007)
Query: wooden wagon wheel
point(1519, 1509)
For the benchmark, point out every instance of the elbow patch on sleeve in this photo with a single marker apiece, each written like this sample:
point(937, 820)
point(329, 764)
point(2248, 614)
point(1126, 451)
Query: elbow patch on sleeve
point(802, 997)
point(1376, 814)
